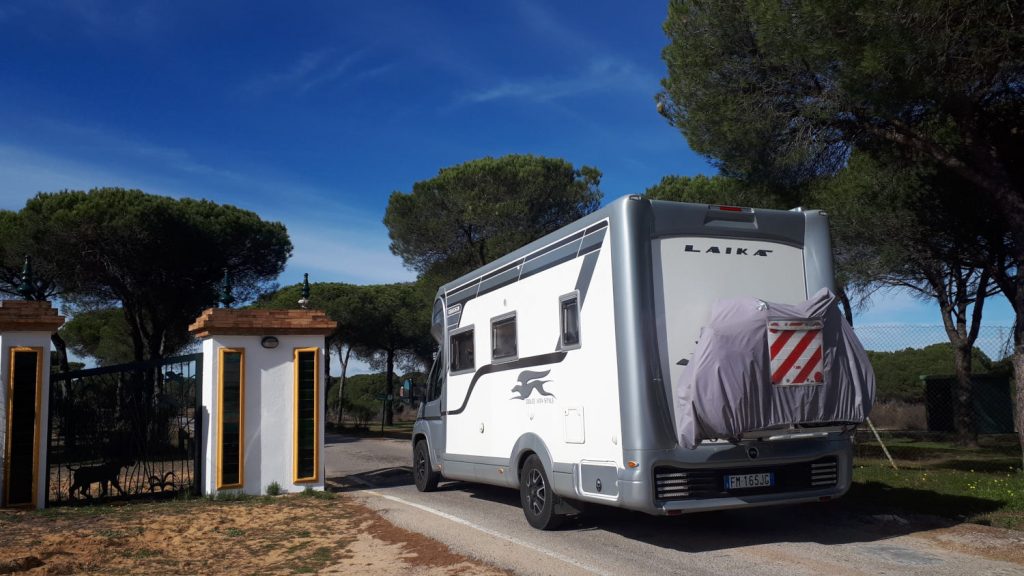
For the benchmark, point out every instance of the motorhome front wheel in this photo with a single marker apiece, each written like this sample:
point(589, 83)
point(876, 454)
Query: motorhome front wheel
point(422, 470)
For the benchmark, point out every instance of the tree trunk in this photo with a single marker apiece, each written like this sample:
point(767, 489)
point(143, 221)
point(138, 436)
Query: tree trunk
point(138, 343)
point(1018, 360)
point(341, 383)
point(327, 375)
point(963, 405)
point(1012, 286)
point(844, 301)
point(62, 351)
point(1018, 381)
point(389, 417)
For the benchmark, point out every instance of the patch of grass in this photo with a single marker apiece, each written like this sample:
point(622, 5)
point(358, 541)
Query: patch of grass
point(296, 547)
point(10, 518)
point(1005, 487)
point(321, 494)
point(234, 532)
point(141, 553)
point(322, 554)
point(77, 511)
point(231, 496)
point(116, 534)
point(940, 477)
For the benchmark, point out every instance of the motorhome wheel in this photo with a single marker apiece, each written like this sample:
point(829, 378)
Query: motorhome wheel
point(422, 470)
point(536, 496)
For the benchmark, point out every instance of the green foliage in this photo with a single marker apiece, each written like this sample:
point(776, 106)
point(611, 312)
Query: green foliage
point(55, 363)
point(716, 190)
point(387, 325)
point(104, 335)
point(160, 258)
point(905, 225)
point(782, 92)
point(898, 374)
point(473, 213)
point(361, 396)
point(273, 489)
point(333, 391)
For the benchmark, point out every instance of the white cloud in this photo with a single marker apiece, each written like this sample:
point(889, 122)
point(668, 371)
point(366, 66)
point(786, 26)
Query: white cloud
point(333, 241)
point(335, 253)
point(140, 21)
point(312, 70)
point(24, 172)
point(603, 74)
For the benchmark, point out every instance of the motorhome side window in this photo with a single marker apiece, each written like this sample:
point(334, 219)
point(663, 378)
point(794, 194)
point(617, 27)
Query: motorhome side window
point(503, 338)
point(462, 351)
point(570, 320)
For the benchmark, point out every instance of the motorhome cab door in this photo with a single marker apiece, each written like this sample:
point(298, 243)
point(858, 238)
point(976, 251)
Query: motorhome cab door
point(433, 407)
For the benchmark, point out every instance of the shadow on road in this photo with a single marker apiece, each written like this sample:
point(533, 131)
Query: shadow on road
point(870, 512)
point(827, 523)
point(340, 439)
point(380, 478)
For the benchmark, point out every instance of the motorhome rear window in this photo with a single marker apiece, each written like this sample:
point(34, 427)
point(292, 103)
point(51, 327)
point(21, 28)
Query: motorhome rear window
point(570, 317)
point(503, 338)
point(462, 351)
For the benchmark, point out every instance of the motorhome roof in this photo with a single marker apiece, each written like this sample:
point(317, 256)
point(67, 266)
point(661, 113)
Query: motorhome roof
point(607, 212)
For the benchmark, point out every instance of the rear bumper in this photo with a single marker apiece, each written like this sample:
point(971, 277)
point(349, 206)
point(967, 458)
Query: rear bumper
point(804, 470)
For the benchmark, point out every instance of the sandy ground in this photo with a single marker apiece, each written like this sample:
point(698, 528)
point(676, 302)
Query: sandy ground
point(290, 534)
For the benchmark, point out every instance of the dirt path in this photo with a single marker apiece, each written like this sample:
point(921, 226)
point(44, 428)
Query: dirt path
point(285, 535)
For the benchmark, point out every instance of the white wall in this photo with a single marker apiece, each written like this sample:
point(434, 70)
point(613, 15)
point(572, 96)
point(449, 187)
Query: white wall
point(269, 412)
point(10, 340)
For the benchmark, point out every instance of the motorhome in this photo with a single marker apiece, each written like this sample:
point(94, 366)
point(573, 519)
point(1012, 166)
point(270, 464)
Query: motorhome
point(560, 365)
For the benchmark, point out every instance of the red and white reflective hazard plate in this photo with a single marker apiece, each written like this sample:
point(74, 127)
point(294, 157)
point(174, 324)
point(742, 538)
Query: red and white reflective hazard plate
point(795, 347)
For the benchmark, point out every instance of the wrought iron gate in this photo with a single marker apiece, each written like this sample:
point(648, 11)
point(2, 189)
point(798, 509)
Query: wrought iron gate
point(125, 431)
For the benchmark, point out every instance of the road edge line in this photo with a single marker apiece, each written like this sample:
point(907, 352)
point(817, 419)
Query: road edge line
point(488, 531)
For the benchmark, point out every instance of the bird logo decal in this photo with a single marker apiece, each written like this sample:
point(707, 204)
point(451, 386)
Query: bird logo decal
point(528, 382)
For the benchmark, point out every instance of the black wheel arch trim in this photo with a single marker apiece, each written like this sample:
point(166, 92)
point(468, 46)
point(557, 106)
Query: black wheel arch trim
point(531, 443)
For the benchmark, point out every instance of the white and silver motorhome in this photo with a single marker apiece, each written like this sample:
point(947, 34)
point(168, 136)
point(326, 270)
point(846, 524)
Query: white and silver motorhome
point(557, 364)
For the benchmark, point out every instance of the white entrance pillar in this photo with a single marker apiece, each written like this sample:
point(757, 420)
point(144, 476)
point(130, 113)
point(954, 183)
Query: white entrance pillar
point(264, 391)
point(25, 330)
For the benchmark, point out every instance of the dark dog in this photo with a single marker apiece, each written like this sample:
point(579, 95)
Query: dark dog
point(106, 474)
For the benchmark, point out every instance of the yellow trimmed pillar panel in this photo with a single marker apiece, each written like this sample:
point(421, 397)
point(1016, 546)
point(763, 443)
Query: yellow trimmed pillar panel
point(25, 330)
point(263, 399)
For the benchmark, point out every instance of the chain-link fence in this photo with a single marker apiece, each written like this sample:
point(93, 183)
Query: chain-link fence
point(914, 367)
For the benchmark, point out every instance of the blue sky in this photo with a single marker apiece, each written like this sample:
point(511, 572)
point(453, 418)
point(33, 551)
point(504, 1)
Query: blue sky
point(313, 114)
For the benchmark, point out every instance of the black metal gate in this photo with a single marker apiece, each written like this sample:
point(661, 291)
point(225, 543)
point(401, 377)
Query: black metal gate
point(125, 431)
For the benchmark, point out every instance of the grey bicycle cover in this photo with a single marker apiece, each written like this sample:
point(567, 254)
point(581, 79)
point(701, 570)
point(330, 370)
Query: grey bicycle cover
point(727, 387)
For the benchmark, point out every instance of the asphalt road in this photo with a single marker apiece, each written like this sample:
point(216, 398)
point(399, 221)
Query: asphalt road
point(486, 523)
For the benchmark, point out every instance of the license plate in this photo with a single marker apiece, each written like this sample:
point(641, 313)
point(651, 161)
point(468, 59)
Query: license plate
point(741, 481)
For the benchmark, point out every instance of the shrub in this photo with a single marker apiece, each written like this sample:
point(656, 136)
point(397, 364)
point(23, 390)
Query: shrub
point(273, 489)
